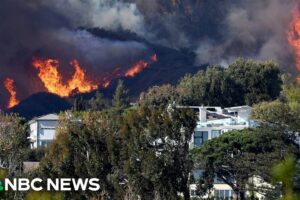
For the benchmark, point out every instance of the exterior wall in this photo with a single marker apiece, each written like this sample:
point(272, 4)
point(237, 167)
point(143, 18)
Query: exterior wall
point(46, 132)
point(42, 132)
point(33, 135)
point(221, 128)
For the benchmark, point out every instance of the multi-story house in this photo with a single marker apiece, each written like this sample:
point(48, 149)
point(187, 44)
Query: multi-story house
point(212, 122)
point(42, 130)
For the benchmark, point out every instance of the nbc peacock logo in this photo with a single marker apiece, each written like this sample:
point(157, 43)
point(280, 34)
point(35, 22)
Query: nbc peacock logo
point(1, 186)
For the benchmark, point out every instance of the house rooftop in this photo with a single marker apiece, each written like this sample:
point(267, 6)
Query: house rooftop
point(51, 116)
point(237, 108)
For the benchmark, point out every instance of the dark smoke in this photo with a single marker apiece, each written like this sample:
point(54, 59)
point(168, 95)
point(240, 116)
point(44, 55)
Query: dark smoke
point(253, 29)
point(50, 29)
point(217, 31)
point(221, 31)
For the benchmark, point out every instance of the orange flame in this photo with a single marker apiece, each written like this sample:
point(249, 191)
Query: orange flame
point(106, 84)
point(293, 36)
point(9, 86)
point(79, 80)
point(53, 82)
point(139, 66)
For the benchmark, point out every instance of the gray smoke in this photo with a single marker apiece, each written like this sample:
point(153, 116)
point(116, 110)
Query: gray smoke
point(254, 29)
point(108, 14)
point(217, 32)
point(49, 29)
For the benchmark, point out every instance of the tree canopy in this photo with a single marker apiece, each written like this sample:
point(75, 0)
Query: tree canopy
point(156, 151)
point(284, 112)
point(121, 98)
point(243, 82)
point(80, 150)
point(236, 156)
point(13, 143)
point(142, 152)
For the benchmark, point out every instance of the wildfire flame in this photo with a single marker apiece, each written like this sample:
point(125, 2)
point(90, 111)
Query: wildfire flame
point(293, 36)
point(9, 86)
point(139, 66)
point(79, 80)
point(53, 81)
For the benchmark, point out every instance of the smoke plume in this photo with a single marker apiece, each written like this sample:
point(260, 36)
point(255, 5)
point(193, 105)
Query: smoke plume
point(50, 29)
point(216, 32)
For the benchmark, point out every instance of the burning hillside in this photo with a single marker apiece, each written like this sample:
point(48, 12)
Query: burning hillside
point(187, 33)
point(79, 83)
point(294, 36)
point(53, 81)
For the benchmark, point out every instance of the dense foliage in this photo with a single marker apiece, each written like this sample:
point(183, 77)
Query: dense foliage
point(146, 150)
point(14, 149)
point(156, 151)
point(141, 151)
point(237, 156)
point(13, 143)
point(243, 82)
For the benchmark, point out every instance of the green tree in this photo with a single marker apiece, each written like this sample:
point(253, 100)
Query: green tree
point(237, 156)
point(161, 96)
point(43, 196)
point(243, 82)
point(291, 89)
point(284, 173)
point(284, 112)
point(274, 112)
point(121, 98)
point(14, 148)
point(98, 102)
point(259, 81)
point(13, 143)
point(79, 104)
point(205, 88)
point(80, 150)
point(155, 151)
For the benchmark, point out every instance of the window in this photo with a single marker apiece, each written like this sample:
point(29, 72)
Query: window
point(193, 192)
point(200, 137)
point(223, 194)
point(45, 143)
point(215, 133)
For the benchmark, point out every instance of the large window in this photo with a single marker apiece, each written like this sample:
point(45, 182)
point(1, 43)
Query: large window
point(223, 194)
point(200, 137)
point(45, 143)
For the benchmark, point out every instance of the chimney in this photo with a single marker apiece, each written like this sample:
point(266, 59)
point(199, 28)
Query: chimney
point(202, 114)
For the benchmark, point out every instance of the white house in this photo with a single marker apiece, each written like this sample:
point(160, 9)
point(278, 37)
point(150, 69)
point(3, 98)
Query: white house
point(42, 130)
point(212, 122)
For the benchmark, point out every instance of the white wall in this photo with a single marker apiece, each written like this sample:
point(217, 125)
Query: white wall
point(42, 131)
point(33, 134)
point(46, 129)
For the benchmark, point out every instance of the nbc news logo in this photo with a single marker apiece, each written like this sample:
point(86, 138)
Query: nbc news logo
point(59, 184)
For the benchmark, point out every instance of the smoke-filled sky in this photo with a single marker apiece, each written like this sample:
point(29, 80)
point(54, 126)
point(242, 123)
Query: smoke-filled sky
point(217, 31)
